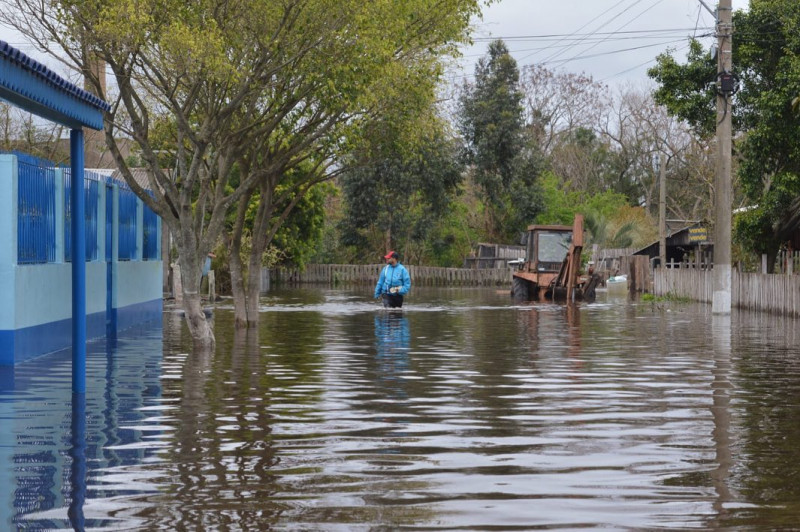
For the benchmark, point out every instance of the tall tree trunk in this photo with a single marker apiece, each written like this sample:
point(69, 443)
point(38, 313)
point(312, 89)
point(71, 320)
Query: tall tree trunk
point(199, 327)
point(191, 274)
point(238, 286)
point(261, 239)
point(253, 294)
point(263, 232)
point(238, 274)
point(236, 264)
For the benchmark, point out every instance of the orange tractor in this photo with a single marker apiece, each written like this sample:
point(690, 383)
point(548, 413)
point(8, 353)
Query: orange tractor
point(551, 271)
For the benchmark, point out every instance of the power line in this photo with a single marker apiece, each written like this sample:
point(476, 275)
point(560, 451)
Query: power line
point(637, 66)
point(620, 39)
point(545, 36)
point(625, 24)
point(601, 14)
point(604, 24)
point(601, 54)
point(611, 52)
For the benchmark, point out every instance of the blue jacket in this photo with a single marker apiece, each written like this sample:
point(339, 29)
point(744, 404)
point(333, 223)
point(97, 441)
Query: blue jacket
point(393, 276)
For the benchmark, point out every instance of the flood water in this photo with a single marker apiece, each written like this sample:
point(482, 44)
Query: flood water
point(462, 411)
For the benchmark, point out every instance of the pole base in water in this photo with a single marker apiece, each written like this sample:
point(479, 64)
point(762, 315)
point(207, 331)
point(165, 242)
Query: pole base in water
point(721, 303)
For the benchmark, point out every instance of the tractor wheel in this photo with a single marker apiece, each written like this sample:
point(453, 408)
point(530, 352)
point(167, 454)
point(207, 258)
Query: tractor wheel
point(519, 289)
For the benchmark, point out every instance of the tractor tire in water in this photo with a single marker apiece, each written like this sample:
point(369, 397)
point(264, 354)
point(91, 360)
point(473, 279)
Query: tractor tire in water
point(589, 288)
point(519, 289)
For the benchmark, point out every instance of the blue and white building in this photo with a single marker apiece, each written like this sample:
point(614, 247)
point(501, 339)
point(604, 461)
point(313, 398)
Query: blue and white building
point(123, 258)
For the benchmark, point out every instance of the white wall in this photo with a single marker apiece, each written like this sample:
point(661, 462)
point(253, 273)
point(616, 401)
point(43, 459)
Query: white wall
point(137, 282)
point(43, 292)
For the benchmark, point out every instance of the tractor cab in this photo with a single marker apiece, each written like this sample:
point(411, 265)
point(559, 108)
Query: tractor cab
point(551, 270)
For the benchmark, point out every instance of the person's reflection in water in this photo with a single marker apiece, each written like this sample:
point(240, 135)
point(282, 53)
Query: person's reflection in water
point(392, 342)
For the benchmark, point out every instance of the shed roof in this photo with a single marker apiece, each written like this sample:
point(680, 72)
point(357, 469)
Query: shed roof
point(675, 238)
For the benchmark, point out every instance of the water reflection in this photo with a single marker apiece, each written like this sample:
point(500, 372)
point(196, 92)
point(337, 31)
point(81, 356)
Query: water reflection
point(461, 411)
point(59, 450)
point(78, 468)
point(721, 413)
point(222, 453)
point(392, 343)
point(765, 427)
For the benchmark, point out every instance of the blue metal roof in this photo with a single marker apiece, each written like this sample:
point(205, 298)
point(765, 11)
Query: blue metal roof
point(32, 86)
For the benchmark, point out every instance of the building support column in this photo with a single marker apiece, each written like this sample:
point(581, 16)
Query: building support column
point(78, 235)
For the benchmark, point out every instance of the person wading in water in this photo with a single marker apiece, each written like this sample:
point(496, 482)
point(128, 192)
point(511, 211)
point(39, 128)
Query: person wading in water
point(393, 283)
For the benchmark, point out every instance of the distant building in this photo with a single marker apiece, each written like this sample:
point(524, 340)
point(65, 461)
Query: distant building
point(685, 240)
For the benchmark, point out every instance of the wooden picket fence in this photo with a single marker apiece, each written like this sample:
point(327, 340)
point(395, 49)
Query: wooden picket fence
point(334, 274)
point(693, 283)
point(771, 293)
point(787, 262)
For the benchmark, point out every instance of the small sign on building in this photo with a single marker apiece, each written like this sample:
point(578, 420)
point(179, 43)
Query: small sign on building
point(698, 235)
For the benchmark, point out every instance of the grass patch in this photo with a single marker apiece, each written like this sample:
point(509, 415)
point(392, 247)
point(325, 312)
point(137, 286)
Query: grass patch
point(668, 298)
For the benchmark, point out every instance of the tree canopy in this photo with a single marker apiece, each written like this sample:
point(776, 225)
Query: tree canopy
point(766, 48)
point(394, 198)
point(504, 161)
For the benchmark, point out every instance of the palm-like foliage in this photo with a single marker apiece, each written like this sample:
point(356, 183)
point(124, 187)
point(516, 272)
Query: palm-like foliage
point(607, 234)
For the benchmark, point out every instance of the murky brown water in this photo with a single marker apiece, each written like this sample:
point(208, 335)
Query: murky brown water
point(463, 411)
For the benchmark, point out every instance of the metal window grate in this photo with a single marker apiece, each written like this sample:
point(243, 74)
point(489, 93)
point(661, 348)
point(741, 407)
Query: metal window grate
point(127, 224)
point(91, 202)
point(36, 223)
point(150, 230)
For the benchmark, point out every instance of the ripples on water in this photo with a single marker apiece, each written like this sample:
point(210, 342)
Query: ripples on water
point(461, 411)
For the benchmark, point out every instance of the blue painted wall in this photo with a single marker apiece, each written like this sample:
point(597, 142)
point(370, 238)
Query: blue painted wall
point(36, 313)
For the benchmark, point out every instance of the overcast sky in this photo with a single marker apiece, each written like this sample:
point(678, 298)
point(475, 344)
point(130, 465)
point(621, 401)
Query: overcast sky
point(614, 41)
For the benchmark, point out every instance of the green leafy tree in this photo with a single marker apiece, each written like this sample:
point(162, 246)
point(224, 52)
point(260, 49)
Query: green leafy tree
point(686, 89)
point(295, 241)
point(766, 48)
point(561, 202)
point(504, 160)
point(453, 237)
point(607, 235)
point(335, 94)
point(610, 221)
point(396, 196)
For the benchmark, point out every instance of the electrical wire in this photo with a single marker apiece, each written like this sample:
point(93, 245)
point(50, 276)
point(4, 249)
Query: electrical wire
point(604, 24)
point(675, 37)
point(638, 66)
point(579, 29)
point(654, 4)
point(536, 37)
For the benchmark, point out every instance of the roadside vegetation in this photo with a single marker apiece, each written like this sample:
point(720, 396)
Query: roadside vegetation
point(766, 59)
point(522, 147)
point(667, 298)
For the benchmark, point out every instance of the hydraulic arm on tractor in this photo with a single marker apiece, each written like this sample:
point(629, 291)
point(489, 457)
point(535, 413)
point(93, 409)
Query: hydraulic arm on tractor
point(551, 271)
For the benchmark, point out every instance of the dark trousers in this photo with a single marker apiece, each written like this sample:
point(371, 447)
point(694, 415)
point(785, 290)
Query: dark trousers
point(392, 300)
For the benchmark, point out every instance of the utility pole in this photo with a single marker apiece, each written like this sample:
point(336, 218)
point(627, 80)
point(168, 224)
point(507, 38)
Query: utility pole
point(662, 212)
point(723, 202)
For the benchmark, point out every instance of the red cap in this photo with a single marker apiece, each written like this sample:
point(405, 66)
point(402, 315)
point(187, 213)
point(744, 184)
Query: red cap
point(390, 255)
